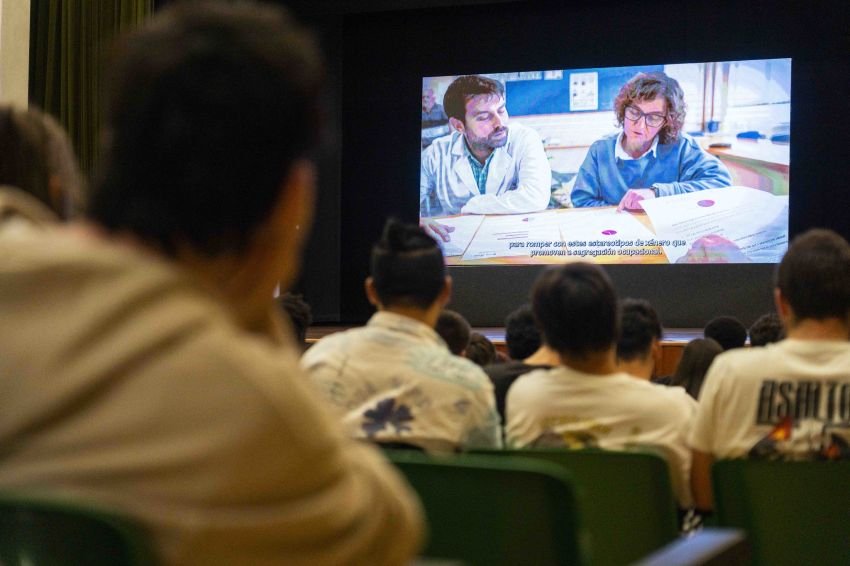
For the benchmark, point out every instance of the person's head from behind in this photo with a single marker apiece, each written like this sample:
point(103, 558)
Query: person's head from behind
point(211, 113)
point(299, 313)
point(576, 306)
point(454, 329)
point(481, 350)
point(408, 274)
point(640, 337)
point(694, 363)
point(522, 335)
point(36, 157)
point(766, 329)
point(475, 106)
point(727, 331)
point(813, 279)
point(649, 105)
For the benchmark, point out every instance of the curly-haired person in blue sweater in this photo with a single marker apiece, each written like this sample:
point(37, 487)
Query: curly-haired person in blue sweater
point(650, 157)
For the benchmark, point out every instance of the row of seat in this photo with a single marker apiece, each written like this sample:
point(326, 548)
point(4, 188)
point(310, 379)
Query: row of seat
point(614, 508)
point(532, 507)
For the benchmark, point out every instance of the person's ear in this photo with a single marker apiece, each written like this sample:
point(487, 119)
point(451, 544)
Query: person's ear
point(371, 293)
point(456, 125)
point(656, 348)
point(446, 294)
point(782, 306)
point(57, 199)
point(655, 354)
point(292, 217)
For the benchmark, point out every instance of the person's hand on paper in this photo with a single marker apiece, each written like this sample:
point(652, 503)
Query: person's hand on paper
point(439, 232)
point(631, 200)
point(714, 249)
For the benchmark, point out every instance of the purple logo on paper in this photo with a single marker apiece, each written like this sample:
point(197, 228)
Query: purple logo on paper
point(609, 232)
point(705, 203)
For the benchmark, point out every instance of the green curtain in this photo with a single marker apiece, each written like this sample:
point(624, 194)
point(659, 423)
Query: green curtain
point(69, 40)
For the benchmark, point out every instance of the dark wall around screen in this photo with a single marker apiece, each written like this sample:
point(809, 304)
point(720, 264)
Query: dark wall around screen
point(385, 55)
point(369, 168)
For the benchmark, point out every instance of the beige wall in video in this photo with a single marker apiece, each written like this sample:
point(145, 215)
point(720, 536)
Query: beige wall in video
point(14, 51)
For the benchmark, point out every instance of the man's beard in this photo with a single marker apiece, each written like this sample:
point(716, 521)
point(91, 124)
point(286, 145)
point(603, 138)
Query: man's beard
point(490, 142)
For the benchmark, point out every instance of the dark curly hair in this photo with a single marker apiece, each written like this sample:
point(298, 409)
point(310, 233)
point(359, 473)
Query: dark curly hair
point(648, 86)
point(766, 329)
point(465, 87)
point(454, 329)
point(639, 325)
point(522, 336)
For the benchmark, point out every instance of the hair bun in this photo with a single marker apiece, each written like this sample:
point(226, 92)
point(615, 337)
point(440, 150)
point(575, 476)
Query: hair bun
point(401, 237)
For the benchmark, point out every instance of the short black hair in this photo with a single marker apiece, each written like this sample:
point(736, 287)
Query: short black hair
point(814, 276)
point(299, 313)
point(522, 335)
point(576, 306)
point(454, 329)
point(766, 329)
point(465, 87)
point(207, 110)
point(728, 331)
point(481, 350)
point(639, 326)
point(407, 266)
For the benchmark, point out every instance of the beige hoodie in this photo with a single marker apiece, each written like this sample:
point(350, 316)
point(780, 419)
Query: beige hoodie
point(20, 211)
point(124, 382)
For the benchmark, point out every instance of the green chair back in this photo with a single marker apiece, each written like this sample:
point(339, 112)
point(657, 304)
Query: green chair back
point(487, 511)
point(793, 512)
point(626, 500)
point(40, 532)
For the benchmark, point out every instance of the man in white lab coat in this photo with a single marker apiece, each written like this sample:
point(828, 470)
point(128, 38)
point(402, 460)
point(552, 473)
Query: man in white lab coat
point(485, 166)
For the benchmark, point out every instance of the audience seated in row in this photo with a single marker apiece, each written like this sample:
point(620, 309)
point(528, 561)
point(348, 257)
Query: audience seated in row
point(171, 373)
point(586, 401)
point(40, 181)
point(394, 380)
point(150, 372)
point(786, 400)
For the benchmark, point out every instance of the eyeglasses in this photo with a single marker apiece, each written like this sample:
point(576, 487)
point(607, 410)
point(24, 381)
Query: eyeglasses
point(652, 120)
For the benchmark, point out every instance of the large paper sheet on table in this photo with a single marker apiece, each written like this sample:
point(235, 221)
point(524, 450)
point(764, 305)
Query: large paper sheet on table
point(605, 231)
point(464, 230)
point(515, 235)
point(756, 221)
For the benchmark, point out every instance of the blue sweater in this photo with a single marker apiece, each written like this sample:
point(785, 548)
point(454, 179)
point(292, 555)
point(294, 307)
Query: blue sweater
point(676, 168)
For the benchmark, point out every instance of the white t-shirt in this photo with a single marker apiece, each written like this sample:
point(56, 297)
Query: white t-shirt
point(788, 400)
point(564, 407)
point(394, 380)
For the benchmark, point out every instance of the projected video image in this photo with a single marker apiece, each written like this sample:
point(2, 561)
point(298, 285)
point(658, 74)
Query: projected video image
point(655, 164)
